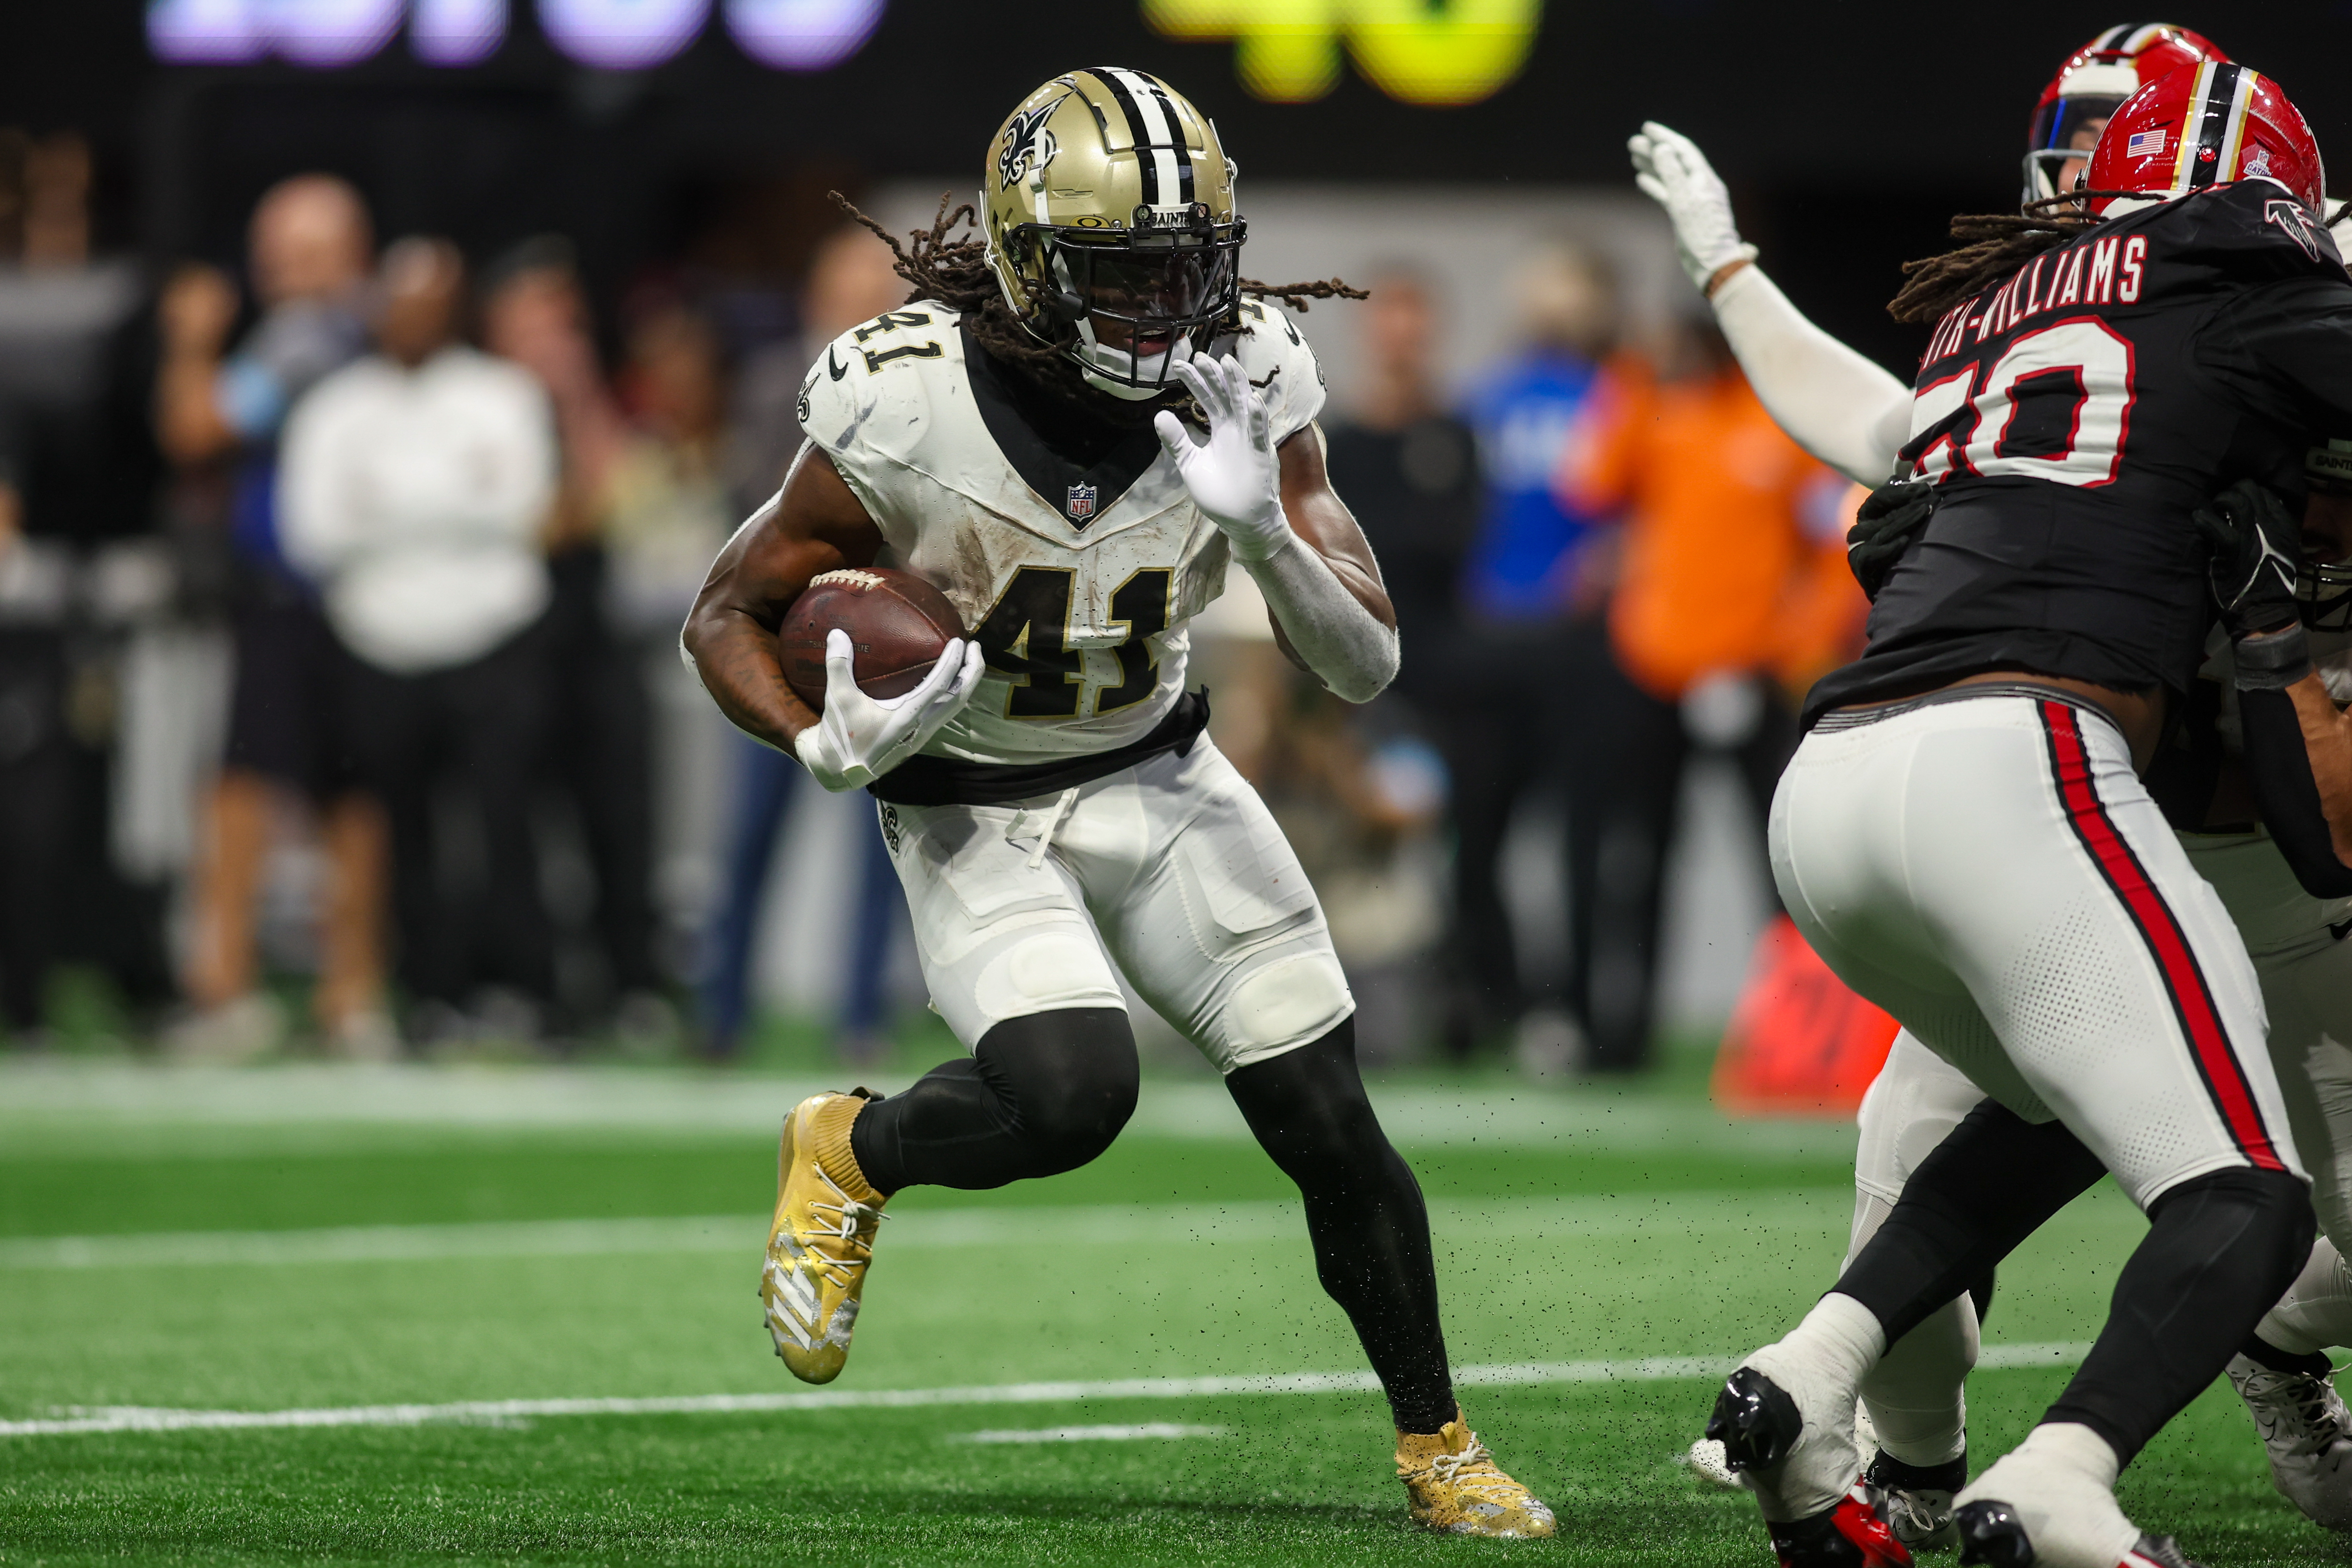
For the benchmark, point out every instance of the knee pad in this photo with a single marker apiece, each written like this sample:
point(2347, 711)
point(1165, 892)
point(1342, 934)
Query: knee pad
point(1067, 1080)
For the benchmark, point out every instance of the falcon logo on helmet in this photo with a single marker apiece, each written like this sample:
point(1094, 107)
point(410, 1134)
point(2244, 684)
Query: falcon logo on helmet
point(1130, 261)
point(2227, 123)
point(2093, 84)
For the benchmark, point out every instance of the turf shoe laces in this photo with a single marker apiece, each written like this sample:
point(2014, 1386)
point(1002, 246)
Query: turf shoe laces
point(1854, 1534)
point(1918, 1498)
point(1454, 1485)
point(822, 1239)
point(2306, 1434)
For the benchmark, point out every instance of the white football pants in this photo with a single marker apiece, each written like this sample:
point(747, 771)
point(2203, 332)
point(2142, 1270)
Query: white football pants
point(1988, 868)
point(1173, 869)
point(2305, 969)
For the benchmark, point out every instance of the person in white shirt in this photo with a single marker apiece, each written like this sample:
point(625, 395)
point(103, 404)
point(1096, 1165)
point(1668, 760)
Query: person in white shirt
point(415, 485)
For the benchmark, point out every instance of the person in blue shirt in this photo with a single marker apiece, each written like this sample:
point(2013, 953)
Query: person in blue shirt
point(1530, 595)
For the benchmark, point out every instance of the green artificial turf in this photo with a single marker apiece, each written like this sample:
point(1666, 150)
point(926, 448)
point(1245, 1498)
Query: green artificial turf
point(1569, 1228)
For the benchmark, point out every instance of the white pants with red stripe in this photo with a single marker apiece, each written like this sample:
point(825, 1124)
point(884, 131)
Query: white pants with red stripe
point(1988, 869)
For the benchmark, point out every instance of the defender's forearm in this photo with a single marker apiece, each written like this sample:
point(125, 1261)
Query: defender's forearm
point(1833, 402)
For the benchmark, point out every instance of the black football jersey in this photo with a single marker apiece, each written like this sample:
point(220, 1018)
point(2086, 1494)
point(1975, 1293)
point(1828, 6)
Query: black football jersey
point(2075, 414)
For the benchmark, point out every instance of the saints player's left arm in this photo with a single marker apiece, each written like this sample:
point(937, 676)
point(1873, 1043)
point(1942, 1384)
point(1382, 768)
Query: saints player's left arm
point(1288, 529)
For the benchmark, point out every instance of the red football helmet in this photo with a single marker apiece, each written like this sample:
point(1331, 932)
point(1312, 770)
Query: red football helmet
point(2211, 126)
point(2093, 83)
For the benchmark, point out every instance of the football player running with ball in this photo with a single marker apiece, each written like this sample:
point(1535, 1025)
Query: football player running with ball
point(1849, 412)
point(1964, 835)
point(1070, 430)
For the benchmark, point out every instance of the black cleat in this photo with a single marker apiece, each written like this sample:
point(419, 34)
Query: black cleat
point(2158, 1551)
point(1755, 1420)
point(1992, 1534)
point(1918, 1498)
point(1852, 1535)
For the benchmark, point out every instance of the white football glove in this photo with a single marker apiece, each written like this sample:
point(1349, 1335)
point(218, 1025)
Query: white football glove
point(1673, 173)
point(1232, 474)
point(860, 738)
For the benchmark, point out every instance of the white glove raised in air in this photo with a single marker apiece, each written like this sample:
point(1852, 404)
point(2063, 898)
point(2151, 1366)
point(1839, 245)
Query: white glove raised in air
point(860, 738)
point(1673, 173)
point(1232, 474)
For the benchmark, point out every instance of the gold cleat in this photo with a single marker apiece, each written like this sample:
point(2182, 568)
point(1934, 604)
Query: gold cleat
point(1458, 1489)
point(822, 1239)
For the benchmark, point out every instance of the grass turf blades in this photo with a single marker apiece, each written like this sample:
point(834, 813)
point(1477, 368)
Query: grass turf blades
point(1552, 1249)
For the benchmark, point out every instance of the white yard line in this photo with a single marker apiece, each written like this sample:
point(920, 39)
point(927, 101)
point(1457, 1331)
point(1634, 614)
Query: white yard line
point(1651, 1369)
point(1140, 1430)
point(1567, 1219)
point(39, 1093)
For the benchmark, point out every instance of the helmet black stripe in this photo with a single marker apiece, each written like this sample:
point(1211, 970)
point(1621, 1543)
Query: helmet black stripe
point(2117, 39)
point(1138, 138)
point(1176, 134)
point(2214, 126)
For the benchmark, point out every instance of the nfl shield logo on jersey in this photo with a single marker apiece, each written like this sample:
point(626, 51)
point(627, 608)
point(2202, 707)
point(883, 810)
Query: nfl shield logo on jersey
point(1082, 502)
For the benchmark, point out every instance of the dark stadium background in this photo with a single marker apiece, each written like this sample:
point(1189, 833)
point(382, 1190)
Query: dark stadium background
point(1849, 132)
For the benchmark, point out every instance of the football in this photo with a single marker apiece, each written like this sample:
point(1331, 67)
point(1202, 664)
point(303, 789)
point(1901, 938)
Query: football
point(898, 622)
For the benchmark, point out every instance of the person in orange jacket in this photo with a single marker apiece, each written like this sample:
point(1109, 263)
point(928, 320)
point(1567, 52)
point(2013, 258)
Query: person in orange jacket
point(1731, 594)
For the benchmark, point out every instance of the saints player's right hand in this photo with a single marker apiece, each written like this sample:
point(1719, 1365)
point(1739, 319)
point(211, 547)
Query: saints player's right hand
point(1232, 474)
point(1673, 173)
point(858, 738)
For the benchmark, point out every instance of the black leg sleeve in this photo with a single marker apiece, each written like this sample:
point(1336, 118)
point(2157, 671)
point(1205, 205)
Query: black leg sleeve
point(2218, 1251)
point(1364, 1212)
point(1041, 1095)
point(1991, 1183)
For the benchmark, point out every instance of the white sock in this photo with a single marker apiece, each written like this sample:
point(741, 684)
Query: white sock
point(2315, 1314)
point(1819, 1366)
point(1843, 1335)
point(2074, 1446)
point(2062, 1482)
point(1913, 1394)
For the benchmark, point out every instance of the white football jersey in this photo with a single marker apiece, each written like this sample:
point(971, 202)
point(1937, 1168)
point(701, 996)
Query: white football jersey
point(1076, 582)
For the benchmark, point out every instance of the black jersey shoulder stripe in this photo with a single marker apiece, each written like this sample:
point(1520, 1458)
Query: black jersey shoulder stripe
point(1138, 138)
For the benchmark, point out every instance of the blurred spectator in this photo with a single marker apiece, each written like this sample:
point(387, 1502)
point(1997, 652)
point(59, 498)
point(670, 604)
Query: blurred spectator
point(1731, 594)
point(79, 571)
point(1517, 722)
point(599, 735)
point(310, 245)
point(850, 280)
point(1360, 790)
point(417, 483)
point(666, 513)
point(1409, 470)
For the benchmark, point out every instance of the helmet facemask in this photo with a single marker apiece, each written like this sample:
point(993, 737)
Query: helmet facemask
point(1127, 307)
point(2050, 146)
point(2323, 589)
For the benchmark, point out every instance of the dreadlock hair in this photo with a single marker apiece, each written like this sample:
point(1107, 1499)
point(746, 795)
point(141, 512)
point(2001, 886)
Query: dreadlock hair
point(1993, 245)
point(951, 267)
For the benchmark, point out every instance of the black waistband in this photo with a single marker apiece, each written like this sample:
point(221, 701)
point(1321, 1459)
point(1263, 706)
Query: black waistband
point(1855, 718)
point(943, 781)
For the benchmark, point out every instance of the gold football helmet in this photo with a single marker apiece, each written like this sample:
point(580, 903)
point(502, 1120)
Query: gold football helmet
point(1111, 226)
